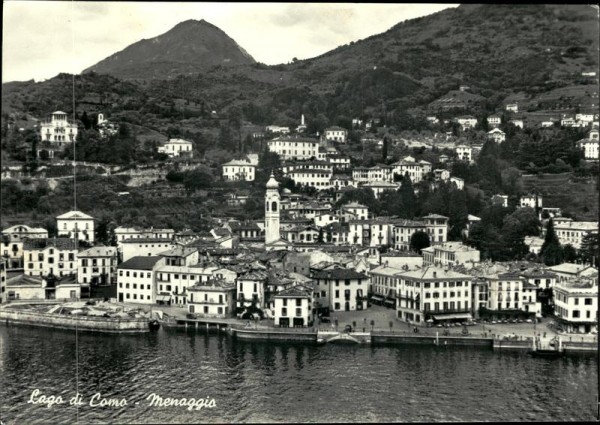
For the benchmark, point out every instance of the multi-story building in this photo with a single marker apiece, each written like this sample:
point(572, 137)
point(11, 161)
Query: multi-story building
point(97, 265)
point(571, 232)
point(496, 135)
point(144, 247)
point(510, 295)
point(293, 307)
point(340, 289)
point(415, 170)
point(501, 200)
point(136, 279)
point(464, 153)
point(576, 305)
point(437, 228)
point(336, 134)
point(295, 148)
point(177, 147)
point(403, 232)
point(449, 254)
point(375, 174)
point(532, 201)
point(494, 120)
point(58, 129)
point(466, 122)
point(239, 169)
point(251, 289)
point(359, 232)
point(12, 243)
point(354, 211)
point(76, 225)
point(379, 187)
point(49, 256)
point(571, 271)
point(433, 294)
point(336, 233)
point(123, 233)
point(384, 283)
point(215, 298)
point(590, 148)
point(319, 179)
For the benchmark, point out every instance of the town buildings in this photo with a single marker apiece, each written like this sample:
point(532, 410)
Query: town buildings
point(49, 256)
point(215, 298)
point(58, 130)
point(294, 148)
point(239, 169)
point(336, 134)
point(293, 307)
point(97, 265)
point(12, 243)
point(449, 254)
point(76, 225)
point(136, 279)
point(571, 232)
point(576, 305)
point(177, 147)
point(340, 289)
point(435, 294)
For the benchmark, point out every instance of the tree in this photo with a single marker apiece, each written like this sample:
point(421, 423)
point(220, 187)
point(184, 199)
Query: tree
point(419, 241)
point(384, 149)
point(590, 248)
point(408, 198)
point(551, 252)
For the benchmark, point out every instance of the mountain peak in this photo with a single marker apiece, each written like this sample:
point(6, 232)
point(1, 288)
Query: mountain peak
point(190, 47)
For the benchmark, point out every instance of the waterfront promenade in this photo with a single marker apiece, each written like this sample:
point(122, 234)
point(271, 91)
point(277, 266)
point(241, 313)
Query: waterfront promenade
point(382, 317)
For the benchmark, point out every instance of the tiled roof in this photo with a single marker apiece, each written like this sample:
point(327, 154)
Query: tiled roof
point(339, 273)
point(434, 273)
point(178, 251)
point(43, 243)
point(146, 240)
point(140, 263)
point(98, 251)
point(299, 291)
point(74, 215)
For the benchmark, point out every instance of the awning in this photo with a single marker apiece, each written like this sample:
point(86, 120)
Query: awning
point(163, 298)
point(452, 316)
point(376, 298)
point(389, 302)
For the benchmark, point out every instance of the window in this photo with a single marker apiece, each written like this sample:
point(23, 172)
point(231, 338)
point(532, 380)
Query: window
point(575, 313)
point(337, 294)
point(588, 301)
point(284, 311)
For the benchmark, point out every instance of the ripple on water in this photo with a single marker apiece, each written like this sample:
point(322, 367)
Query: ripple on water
point(276, 382)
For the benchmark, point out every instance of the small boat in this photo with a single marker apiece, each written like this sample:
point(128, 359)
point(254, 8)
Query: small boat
point(154, 325)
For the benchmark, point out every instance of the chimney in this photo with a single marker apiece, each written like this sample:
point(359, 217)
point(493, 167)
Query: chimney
point(434, 274)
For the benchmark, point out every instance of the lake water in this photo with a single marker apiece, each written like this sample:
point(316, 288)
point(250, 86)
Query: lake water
point(279, 382)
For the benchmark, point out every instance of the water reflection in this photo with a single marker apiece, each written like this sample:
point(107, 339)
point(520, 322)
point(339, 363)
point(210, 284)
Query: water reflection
point(282, 382)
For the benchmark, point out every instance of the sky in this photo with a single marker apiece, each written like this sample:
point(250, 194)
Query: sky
point(44, 38)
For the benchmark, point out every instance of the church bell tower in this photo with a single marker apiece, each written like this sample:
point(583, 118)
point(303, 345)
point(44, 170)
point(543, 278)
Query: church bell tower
point(272, 208)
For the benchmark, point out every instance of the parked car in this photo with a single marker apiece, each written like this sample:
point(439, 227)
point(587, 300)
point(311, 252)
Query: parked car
point(493, 322)
point(529, 321)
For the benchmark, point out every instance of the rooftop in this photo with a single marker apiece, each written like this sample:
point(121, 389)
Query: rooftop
point(140, 263)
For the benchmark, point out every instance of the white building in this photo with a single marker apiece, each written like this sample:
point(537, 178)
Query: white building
point(464, 153)
point(97, 265)
point(295, 148)
point(239, 169)
point(496, 135)
point(340, 289)
point(136, 280)
point(467, 122)
point(144, 247)
point(576, 305)
point(176, 147)
point(277, 129)
point(494, 120)
point(49, 256)
point(336, 134)
point(354, 211)
point(450, 254)
point(215, 298)
point(293, 307)
point(77, 225)
point(532, 201)
point(433, 294)
point(58, 130)
point(437, 228)
point(379, 187)
point(509, 293)
point(517, 123)
point(403, 232)
point(12, 243)
point(590, 148)
point(124, 233)
point(458, 182)
point(571, 232)
point(512, 107)
point(319, 179)
point(415, 170)
point(501, 200)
